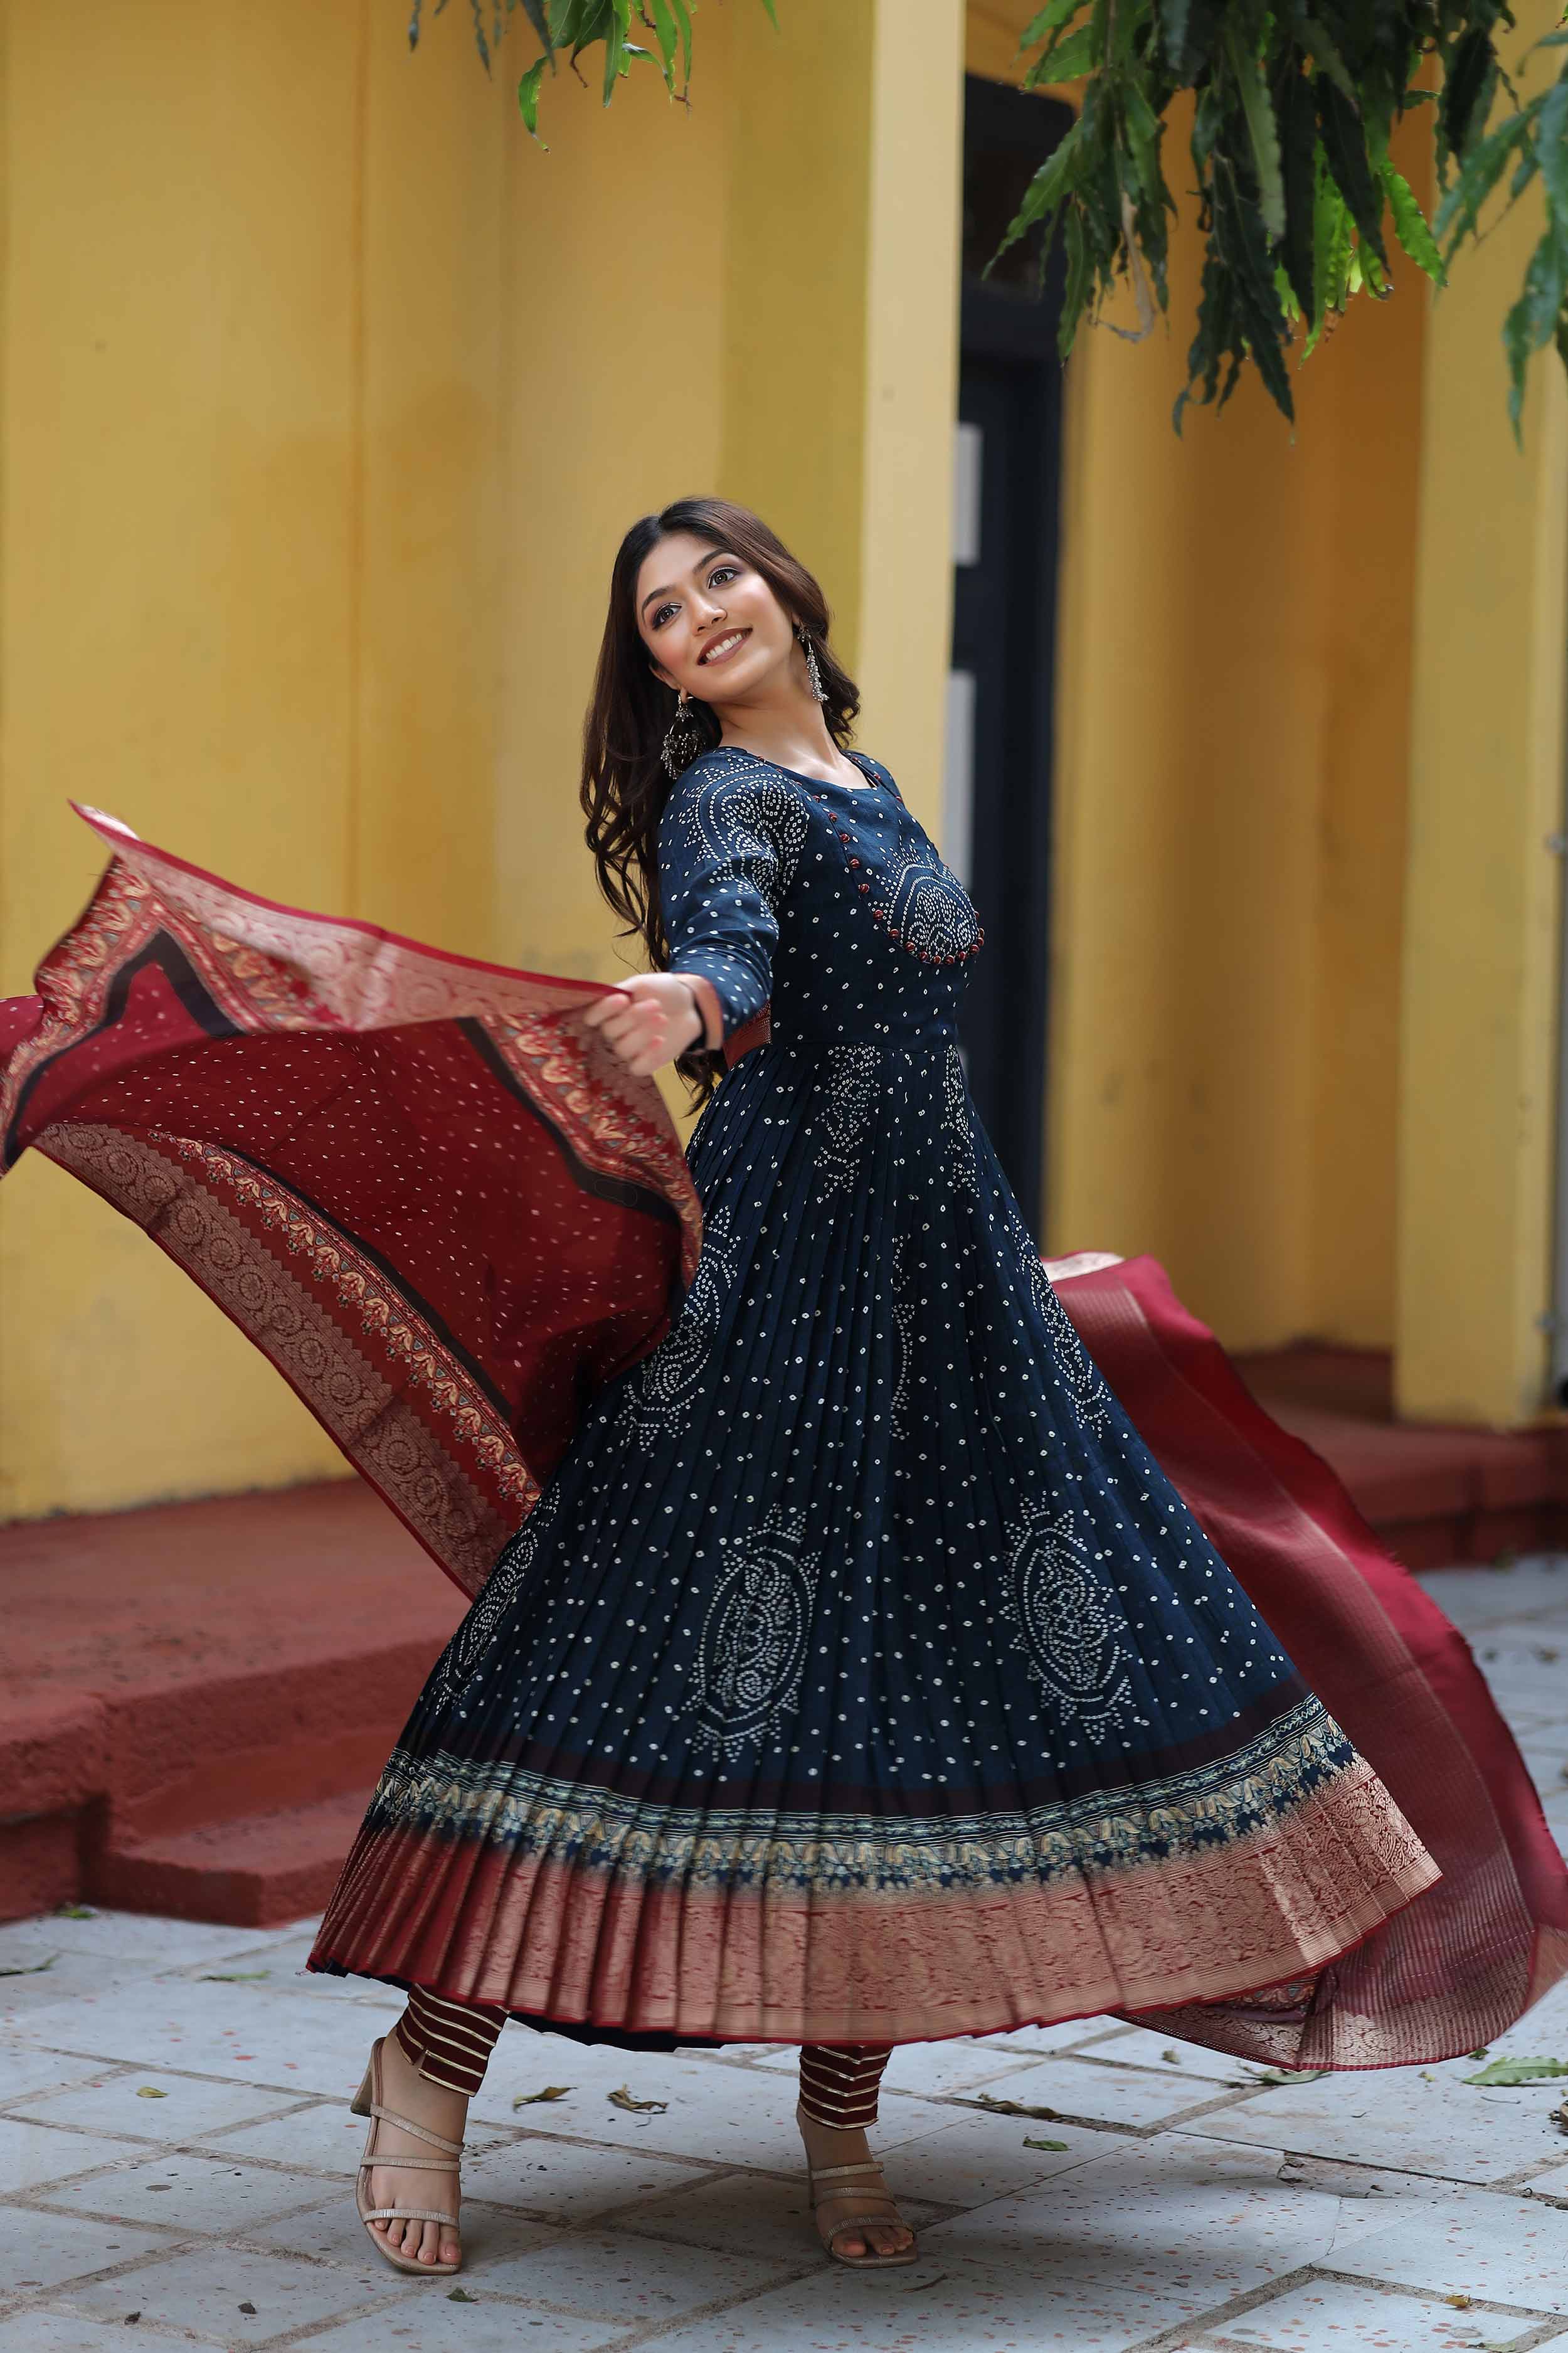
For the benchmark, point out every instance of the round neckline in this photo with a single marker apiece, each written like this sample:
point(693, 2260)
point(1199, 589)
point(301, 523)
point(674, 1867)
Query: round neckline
point(871, 785)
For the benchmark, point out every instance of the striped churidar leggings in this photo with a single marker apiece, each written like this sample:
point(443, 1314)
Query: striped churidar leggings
point(451, 2043)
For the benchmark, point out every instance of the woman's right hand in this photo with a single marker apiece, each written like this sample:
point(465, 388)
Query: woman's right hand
point(647, 1019)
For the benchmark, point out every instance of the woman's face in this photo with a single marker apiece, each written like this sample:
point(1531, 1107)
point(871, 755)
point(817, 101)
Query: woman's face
point(711, 623)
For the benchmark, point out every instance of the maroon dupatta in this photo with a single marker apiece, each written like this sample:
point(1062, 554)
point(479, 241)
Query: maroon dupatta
point(435, 1200)
point(442, 1209)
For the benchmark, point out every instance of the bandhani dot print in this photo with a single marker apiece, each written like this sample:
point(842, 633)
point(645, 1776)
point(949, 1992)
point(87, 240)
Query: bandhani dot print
point(858, 1598)
point(870, 1638)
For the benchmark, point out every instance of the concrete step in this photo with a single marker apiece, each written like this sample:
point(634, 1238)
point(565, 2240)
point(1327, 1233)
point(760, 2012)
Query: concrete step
point(254, 1873)
point(1436, 1494)
point(196, 1699)
point(196, 1667)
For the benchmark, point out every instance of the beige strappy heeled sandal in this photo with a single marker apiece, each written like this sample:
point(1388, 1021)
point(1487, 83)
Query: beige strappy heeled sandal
point(367, 2102)
point(874, 2259)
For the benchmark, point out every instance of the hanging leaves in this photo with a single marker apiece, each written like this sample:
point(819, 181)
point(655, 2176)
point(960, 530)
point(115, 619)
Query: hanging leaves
point(1295, 103)
point(1262, 129)
point(1294, 109)
point(1533, 140)
point(574, 25)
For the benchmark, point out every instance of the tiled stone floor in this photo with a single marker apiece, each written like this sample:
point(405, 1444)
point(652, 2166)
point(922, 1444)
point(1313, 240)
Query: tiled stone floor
point(176, 2156)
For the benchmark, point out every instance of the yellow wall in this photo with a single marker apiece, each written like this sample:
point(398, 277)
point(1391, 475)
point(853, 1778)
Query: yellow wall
point(768, 323)
point(179, 582)
point(327, 397)
point(1479, 1108)
point(1232, 756)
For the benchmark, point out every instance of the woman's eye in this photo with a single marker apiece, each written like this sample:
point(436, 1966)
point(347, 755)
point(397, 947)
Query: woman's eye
point(659, 616)
point(724, 572)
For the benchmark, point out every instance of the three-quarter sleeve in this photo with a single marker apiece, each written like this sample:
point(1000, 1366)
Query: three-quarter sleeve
point(727, 842)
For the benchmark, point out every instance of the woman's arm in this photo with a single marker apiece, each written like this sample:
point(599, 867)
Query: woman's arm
point(723, 860)
point(721, 873)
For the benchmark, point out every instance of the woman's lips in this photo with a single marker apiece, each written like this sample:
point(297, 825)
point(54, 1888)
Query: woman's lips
point(720, 650)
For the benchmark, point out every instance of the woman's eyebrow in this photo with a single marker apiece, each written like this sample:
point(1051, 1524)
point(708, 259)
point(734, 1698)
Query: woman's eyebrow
point(712, 557)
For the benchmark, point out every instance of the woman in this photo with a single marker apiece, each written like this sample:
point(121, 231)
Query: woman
point(853, 1601)
point(857, 1674)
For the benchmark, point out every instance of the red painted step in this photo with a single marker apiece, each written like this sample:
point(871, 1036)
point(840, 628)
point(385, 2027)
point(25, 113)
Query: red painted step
point(196, 1700)
point(174, 1676)
point(253, 1873)
point(1436, 1494)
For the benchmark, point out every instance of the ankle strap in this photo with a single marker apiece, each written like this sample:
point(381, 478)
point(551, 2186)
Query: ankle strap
point(420, 2131)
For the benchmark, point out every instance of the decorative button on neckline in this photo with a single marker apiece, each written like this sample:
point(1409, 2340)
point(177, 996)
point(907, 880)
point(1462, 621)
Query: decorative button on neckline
point(881, 914)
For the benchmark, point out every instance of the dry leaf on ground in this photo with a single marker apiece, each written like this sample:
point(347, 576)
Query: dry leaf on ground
point(622, 2099)
point(1009, 2108)
point(1519, 2071)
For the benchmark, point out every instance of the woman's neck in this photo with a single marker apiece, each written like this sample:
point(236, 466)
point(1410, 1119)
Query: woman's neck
point(789, 739)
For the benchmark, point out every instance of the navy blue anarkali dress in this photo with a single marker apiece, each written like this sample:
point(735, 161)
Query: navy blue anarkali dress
point(847, 1660)
point(858, 1674)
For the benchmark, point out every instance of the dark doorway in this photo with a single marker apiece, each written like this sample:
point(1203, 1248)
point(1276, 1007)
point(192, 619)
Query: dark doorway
point(998, 800)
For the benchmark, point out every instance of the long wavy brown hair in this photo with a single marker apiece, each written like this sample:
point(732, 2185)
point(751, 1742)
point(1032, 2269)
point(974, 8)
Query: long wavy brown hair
point(624, 782)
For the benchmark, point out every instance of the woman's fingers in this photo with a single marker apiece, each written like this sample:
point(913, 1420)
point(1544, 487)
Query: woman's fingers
point(646, 1025)
point(614, 1000)
point(636, 1033)
point(620, 1021)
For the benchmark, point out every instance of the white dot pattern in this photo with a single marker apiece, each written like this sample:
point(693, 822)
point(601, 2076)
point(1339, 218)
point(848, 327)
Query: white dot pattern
point(868, 1528)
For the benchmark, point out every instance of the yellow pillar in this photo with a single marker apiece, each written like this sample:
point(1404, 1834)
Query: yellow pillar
point(842, 337)
point(914, 222)
point(320, 438)
point(1233, 701)
point(432, 328)
point(1478, 1105)
point(176, 602)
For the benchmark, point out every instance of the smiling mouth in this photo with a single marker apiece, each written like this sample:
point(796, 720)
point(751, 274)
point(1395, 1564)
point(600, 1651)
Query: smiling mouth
point(722, 647)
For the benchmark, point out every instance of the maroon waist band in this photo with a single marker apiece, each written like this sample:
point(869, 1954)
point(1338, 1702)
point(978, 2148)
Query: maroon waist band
point(755, 1032)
